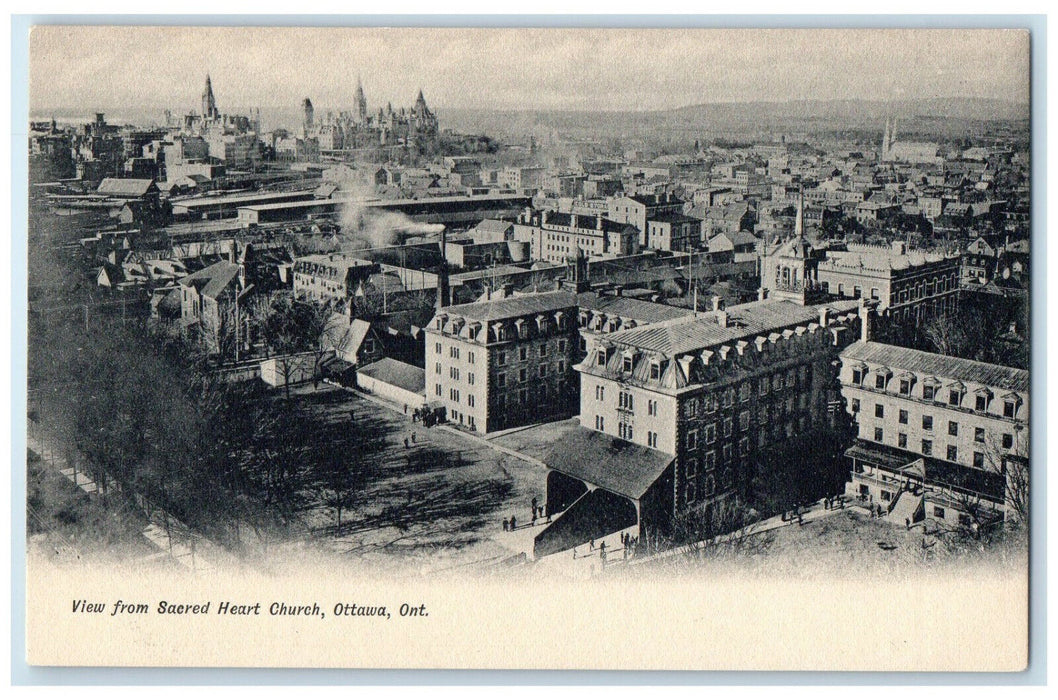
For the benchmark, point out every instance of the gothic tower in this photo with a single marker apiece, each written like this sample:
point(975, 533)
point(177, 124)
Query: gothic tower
point(209, 103)
point(361, 102)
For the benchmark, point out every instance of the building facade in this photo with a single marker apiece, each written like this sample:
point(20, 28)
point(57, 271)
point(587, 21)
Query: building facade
point(330, 277)
point(556, 236)
point(935, 434)
point(715, 392)
point(502, 363)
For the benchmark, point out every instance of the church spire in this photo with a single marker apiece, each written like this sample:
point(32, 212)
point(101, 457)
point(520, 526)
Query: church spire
point(209, 102)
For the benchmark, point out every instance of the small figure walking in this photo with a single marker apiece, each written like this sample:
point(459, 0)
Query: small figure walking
point(405, 443)
point(413, 438)
point(907, 523)
point(506, 525)
point(591, 545)
point(513, 523)
point(405, 409)
point(533, 519)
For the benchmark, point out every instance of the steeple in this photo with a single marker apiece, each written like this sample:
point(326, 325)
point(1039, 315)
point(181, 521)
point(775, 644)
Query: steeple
point(361, 101)
point(209, 103)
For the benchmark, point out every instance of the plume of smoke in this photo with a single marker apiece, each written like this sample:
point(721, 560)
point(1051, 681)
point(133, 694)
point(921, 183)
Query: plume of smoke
point(370, 227)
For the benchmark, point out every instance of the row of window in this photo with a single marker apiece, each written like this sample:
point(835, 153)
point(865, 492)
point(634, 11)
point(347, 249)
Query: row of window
point(931, 392)
point(926, 448)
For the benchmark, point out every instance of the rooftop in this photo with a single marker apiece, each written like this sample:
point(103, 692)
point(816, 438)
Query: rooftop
point(616, 465)
point(399, 374)
point(625, 307)
point(685, 335)
point(928, 363)
point(513, 306)
point(213, 280)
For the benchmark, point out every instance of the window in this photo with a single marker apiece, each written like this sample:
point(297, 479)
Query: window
point(979, 460)
point(981, 403)
point(1008, 441)
point(600, 392)
point(953, 428)
point(470, 400)
point(453, 373)
point(470, 378)
point(470, 357)
point(625, 401)
point(501, 380)
point(437, 389)
point(964, 520)
point(1009, 408)
point(523, 375)
point(901, 440)
point(857, 376)
point(903, 417)
point(929, 393)
point(728, 427)
point(692, 439)
point(437, 348)
point(600, 425)
point(453, 352)
point(523, 354)
point(927, 422)
point(710, 433)
point(543, 370)
point(927, 447)
point(692, 467)
point(561, 366)
point(543, 350)
point(743, 446)
point(652, 439)
point(454, 395)
point(626, 364)
point(501, 359)
point(953, 453)
point(562, 346)
point(879, 381)
point(855, 405)
point(437, 368)
point(710, 460)
point(727, 452)
point(655, 370)
point(954, 397)
point(625, 431)
point(879, 410)
point(743, 420)
point(979, 434)
point(887, 495)
point(938, 512)
point(905, 387)
point(878, 435)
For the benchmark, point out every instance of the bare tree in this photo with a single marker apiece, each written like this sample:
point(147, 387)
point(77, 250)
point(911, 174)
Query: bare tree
point(725, 528)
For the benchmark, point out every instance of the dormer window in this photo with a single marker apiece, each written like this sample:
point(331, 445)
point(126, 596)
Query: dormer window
point(905, 386)
point(879, 381)
point(627, 364)
point(655, 370)
point(954, 397)
point(1010, 407)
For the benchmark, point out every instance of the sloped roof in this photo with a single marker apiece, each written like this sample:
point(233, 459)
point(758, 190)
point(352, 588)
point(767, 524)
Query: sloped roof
point(625, 307)
point(616, 465)
point(944, 366)
point(493, 226)
point(684, 335)
point(396, 373)
point(212, 281)
point(124, 187)
point(514, 306)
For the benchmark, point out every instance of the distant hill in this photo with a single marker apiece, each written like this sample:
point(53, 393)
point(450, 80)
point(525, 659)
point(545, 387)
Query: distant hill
point(984, 109)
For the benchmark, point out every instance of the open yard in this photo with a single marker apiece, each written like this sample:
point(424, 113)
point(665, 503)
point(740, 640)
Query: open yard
point(434, 504)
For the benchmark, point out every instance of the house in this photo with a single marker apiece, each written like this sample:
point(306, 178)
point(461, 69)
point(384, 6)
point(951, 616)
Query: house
point(398, 382)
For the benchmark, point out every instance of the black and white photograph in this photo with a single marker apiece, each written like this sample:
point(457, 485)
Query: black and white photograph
point(528, 347)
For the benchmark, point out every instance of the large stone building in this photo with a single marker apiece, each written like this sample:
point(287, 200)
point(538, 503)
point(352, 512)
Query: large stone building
point(935, 434)
point(637, 209)
point(331, 276)
point(694, 402)
point(557, 237)
point(506, 362)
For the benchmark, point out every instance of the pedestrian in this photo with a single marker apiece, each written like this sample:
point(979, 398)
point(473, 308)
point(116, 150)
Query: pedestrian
point(591, 545)
point(513, 523)
point(907, 523)
point(574, 552)
point(413, 438)
point(405, 443)
point(549, 517)
point(352, 415)
point(533, 502)
point(533, 521)
point(506, 525)
point(405, 409)
point(602, 547)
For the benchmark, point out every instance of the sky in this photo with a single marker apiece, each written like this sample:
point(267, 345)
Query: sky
point(583, 69)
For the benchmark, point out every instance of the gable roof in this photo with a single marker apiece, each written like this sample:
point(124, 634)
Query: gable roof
point(396, 373)
point(212, 281)
point(513, 306)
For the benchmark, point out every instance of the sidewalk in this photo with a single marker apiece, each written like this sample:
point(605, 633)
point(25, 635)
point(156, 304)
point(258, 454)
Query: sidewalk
point(170, 536)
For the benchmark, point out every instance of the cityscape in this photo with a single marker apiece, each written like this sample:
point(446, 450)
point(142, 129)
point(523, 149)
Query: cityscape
point(410, 334)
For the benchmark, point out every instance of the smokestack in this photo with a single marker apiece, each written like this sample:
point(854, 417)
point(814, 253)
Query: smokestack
point(721, 318)
point(866, 310)
point(444, 297)
point(824, 316)
point(718, 303)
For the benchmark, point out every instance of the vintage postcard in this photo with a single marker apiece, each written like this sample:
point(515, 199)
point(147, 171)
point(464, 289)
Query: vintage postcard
point(528, 348)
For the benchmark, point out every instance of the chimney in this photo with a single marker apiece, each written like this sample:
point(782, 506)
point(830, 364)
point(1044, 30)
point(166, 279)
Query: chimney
point(900, 247)
point(824, 316)
point(866, 310)
point(508, 290)
point(721, 318)
point(718, 303)
point(762, 294)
